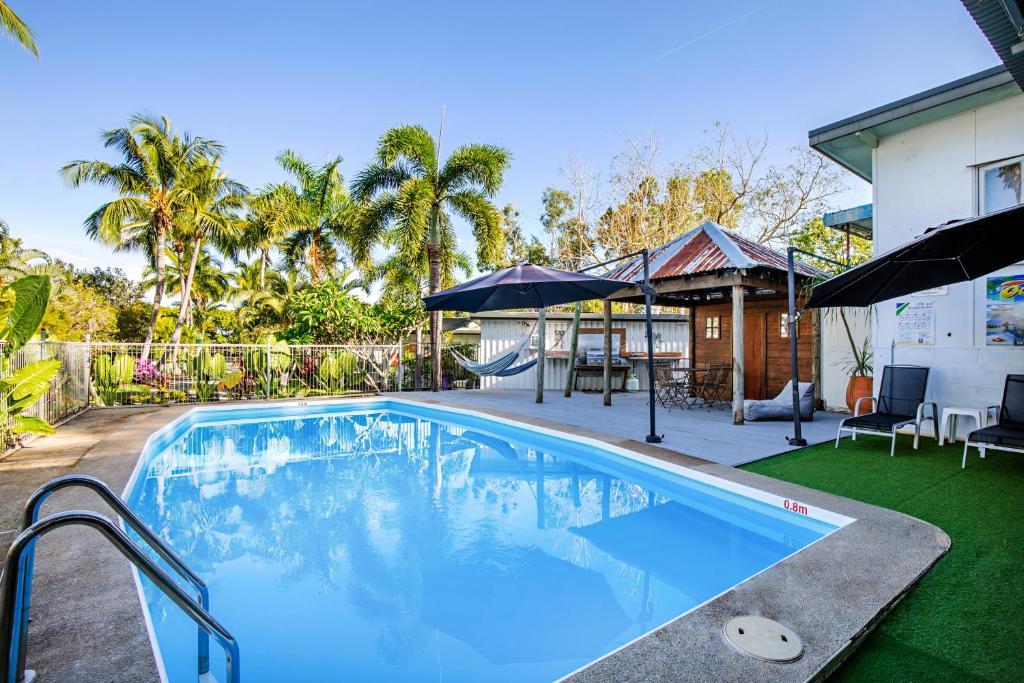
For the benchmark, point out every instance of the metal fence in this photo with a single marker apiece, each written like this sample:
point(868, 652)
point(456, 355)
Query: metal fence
point(117, 374)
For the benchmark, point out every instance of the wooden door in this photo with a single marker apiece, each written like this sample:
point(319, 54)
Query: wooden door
point(755, 355)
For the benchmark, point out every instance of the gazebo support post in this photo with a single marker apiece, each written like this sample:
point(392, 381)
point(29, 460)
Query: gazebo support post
point(574, 342)
point(737, 354)
point(798, 439)
point(541, 351)
point(648, 303)
point(607, 375)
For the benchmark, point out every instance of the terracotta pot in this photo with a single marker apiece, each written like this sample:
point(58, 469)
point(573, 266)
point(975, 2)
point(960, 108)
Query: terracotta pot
point(858, 387)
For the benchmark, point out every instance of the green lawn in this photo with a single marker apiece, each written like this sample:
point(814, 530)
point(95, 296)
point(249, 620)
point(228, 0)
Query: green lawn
point(965, 620)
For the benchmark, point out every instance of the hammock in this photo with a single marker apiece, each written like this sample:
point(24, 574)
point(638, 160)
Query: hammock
point(501, 366)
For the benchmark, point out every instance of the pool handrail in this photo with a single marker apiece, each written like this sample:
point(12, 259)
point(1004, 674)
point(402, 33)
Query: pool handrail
point(31, 515)
point(15, 577)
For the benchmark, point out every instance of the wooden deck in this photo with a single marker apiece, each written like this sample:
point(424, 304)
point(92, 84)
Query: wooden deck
point(707, 434)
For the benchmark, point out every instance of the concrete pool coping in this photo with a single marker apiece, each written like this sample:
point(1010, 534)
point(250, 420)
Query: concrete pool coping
point(865, 567)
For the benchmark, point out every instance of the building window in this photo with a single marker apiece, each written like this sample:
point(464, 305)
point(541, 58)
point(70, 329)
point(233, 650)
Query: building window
point(999, 185)
point(712, 327)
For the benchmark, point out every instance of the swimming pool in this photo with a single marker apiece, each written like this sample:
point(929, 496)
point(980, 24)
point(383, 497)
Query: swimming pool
point(388, 540)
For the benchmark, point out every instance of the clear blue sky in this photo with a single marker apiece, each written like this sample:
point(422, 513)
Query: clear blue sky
point(541, 78)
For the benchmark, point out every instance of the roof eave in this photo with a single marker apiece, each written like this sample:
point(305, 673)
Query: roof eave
point(849, 141)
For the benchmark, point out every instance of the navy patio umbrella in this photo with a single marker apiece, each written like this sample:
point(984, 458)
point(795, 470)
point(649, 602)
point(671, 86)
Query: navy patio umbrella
point(523, 286)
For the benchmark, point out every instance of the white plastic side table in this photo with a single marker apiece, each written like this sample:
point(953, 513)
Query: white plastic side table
point(950, 418)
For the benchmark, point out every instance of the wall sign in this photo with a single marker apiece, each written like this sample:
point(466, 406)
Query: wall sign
point(1004, 311)
point(915, 323)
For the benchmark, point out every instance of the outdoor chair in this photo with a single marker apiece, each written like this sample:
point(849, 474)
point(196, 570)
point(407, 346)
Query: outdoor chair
point(714, 384)
point(1008, 432)
point(900, 402)
point(668, 390)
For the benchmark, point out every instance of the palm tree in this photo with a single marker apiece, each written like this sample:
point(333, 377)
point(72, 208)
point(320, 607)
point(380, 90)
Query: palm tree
point(271, 212)
point(16, 261)
point(409, 199)
point(256, 289)
point(210, 284)
point(17, 29)
point(321, 216)
point(215, 201)
point(152, 180)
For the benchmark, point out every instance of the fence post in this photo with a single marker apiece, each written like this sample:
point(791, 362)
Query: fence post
point(87, 370)
point(400, 369)
point(267, 372)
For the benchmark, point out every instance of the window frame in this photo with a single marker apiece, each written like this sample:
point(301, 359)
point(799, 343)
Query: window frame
point(979, 180)
point(712, 327)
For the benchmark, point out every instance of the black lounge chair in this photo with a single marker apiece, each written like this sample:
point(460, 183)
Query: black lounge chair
point(1008, 432)
point(900, 402)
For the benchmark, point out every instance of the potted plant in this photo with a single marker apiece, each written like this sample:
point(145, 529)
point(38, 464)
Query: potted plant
point(858, 365)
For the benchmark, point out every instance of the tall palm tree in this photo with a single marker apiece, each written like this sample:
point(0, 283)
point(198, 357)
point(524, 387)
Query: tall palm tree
point(210, 284)
point(410, 198)
point(17, 261)
point(17, 29)
point(153, 180)
point(271, 212)
point(216, 199)
point(321, 217)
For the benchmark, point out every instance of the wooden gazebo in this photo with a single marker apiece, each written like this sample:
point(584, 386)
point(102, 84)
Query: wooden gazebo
point(735, 290)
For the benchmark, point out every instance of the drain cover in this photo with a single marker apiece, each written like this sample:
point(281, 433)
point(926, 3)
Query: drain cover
point(764, 639)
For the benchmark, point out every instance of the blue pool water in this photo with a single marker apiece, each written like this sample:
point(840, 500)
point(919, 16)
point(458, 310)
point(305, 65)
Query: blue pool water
point(384, 541)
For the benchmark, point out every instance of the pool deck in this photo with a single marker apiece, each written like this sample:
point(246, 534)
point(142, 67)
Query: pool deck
point(704, 433)
point(88, 624)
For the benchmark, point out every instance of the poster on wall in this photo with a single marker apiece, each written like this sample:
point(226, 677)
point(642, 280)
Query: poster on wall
point(1004, 311)
point(915, 323)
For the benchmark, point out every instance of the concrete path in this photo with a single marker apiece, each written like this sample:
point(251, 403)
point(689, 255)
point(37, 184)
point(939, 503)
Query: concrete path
point(699, 432)
point(87, 624)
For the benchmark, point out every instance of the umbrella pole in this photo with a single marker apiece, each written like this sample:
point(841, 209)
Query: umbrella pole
point(648, 301)
point(797, 439)
point(541, 355)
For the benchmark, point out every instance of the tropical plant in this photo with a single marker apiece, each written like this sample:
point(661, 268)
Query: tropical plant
point(17, 29)
point(215, 201)
point(22, 305)
point(335, 369)
point(409, 199)
point(271, 212)
point(112, 377)
point(206, 371)
point(268, 366)
point(319, 216)
point(210, 284)
point(17, 261)
point(154, 180)
point(327, 313)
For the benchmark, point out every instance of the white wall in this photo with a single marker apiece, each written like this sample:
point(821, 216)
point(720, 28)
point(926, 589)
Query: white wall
point(924, 177)
point(498, 335)
point(835, 350)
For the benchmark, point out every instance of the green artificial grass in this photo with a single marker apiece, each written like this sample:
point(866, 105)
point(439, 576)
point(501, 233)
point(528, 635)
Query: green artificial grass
point(965, 620)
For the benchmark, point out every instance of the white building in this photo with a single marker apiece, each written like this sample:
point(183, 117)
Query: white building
point(951, 152)
point(500, 332)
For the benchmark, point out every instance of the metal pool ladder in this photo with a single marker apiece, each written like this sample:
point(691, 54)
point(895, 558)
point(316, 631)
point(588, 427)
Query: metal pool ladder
point(16, 581)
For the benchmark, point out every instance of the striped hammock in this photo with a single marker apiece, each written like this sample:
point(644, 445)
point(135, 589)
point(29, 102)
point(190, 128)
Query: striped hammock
point(502, 366)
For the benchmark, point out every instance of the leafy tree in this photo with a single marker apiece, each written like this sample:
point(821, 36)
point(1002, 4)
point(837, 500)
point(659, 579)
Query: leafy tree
point(113, 285)
point(318, 214)
point(153, 179)
point(518, 249)
point(814, 236)
point(325, 313)
point(210, 286)
point(77, 310)
point(17, 29)
point(409, 199)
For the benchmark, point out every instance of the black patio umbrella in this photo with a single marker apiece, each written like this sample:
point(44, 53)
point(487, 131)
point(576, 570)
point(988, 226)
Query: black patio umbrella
point(522, 286)
point(953, 252)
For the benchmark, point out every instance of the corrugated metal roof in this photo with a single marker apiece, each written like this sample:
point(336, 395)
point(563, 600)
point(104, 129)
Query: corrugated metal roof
point(706, 249)
point(1002, 22)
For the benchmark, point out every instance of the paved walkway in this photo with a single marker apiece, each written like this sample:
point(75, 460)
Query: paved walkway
point(706, 434)
point(87, 624)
